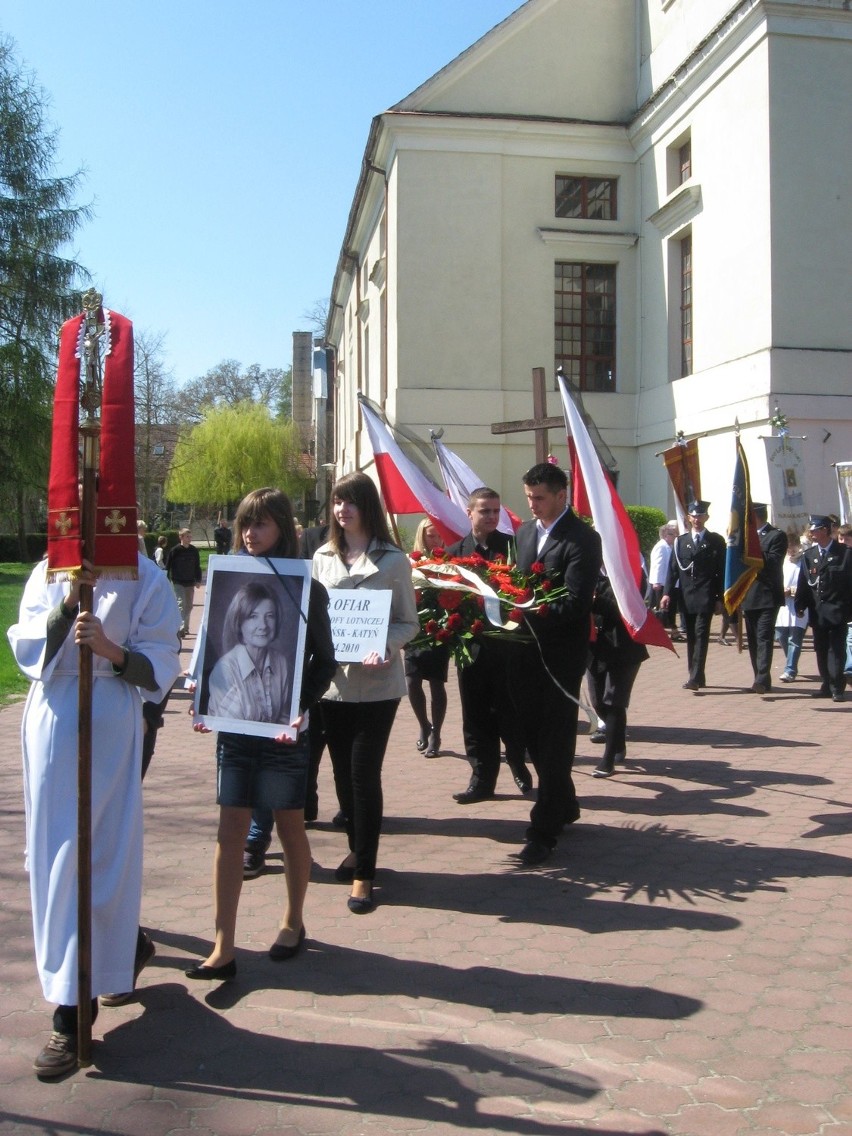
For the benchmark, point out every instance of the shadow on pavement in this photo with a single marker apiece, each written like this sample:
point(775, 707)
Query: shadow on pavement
point(181, 1043)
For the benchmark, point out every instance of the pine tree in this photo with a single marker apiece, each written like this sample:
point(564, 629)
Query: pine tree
point(37, 219)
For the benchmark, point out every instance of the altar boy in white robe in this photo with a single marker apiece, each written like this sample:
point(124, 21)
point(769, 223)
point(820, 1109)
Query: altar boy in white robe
point(132, 632)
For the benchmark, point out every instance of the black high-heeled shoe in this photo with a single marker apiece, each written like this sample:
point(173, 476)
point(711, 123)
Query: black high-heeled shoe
point(223, 973)
point(423, 741)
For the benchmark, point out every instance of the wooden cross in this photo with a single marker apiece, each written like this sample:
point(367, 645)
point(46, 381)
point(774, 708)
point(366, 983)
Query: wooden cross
point(539, 423)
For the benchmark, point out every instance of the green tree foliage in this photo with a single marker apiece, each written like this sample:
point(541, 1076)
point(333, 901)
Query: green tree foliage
point(232, 450)
point(227, 384)
point(37, 218)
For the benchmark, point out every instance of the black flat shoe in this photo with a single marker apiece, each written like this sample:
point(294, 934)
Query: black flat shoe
point(344, 873)
point(360, 905)
point(223, 973)
point(433, 749)
point(278, 952)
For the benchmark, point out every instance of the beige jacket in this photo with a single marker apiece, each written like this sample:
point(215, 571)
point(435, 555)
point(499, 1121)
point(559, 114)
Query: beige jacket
point(383, 566)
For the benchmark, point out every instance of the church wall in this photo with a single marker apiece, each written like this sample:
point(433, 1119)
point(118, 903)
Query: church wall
point(811, 190)
point(567, 60)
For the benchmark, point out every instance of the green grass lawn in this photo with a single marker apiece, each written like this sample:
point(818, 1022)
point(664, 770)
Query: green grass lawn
point(13, 685)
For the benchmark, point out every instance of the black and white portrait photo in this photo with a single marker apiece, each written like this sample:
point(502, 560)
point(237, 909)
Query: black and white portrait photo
point(252, 645)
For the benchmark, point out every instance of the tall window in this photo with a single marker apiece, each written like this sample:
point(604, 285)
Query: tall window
point(686, 305)
point(590, 197)
point(685, 161)
point(585, 324)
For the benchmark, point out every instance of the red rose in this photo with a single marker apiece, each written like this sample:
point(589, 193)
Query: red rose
point(477, 627)
point(443, 635)
point(450, 600)
point(415, 554)
point(516, 615)
point(439, 553)
point(543, 609)
point(455, 622)
point(431, 627)
point(537, 567)
point(547, 585)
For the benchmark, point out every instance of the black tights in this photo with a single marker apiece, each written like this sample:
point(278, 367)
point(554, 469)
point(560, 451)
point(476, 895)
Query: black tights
point(438, 699)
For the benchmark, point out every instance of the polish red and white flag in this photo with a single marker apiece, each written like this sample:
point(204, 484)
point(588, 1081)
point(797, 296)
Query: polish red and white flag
point(461, 481)
point(594, 495)
point(405, 488)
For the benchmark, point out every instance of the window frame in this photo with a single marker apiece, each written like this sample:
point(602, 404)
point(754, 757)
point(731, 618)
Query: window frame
point(581, 365)
point(583, 184)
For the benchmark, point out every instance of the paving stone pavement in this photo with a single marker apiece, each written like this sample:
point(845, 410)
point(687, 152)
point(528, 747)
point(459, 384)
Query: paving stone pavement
point(679, 966)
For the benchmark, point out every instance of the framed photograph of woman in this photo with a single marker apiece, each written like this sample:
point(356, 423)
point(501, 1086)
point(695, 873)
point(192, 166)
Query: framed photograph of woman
point(252, 644)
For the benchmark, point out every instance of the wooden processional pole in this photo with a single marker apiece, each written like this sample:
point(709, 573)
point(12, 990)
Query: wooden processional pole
point(91, 394)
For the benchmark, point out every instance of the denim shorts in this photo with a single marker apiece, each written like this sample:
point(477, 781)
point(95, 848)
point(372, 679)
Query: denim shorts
point(260, 773)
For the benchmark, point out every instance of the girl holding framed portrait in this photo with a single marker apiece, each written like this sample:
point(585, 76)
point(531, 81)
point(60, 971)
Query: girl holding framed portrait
point(249, 688)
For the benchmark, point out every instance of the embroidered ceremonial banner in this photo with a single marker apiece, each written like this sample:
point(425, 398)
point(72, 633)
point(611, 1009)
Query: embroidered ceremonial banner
point(681, 462)
point(744, 555)
point(844, 490)
point(116, 541)
point(786, 465)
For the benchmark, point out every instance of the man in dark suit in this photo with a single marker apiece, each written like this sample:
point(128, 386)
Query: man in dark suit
point(483, 685)
point(761, 602)
point(698, 565)
point(825, 591)
point(549, 665)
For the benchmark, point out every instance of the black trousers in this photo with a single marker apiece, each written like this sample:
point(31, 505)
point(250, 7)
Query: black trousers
point(487, 716)
point(760, 633)
point(357, 736)
point(830, 651)
point(697, 640)
point(548, 722)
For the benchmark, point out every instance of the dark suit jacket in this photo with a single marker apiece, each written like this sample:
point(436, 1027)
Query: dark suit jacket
point(700, 571)
point(825, 586)
point(767, 591)
point(312, 539)
point(573, 550)
point(497, 544)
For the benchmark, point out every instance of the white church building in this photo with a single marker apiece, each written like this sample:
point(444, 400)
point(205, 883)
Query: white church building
point(655, 195)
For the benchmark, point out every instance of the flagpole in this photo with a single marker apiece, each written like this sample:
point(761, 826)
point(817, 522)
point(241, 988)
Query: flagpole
point(90, 402)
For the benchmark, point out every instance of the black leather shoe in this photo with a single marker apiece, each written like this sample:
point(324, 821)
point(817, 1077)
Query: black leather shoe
point(339, 819)
point(522, 777)
point(605, 769)
point(598, 737)
point(691, 684)
point(278, 952)
point(838, 696)
point(534, 852)
point(472, 794)
point(759, 688)
point(223, 973)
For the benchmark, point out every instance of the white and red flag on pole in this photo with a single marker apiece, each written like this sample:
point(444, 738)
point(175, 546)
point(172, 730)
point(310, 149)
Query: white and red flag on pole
point(461, 481)
point(405, 488)
point(620, 545)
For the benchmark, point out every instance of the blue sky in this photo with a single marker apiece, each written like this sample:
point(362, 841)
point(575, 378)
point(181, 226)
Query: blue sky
point(221, 144)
